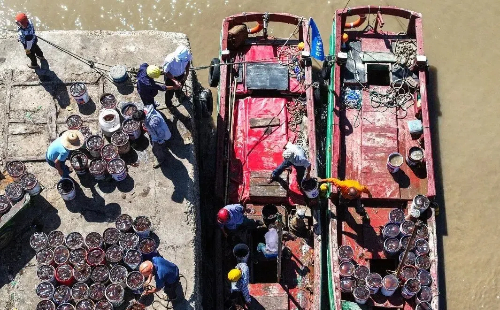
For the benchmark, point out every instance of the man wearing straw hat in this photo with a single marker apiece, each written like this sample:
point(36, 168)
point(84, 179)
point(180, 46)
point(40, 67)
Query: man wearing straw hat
point(60, 148)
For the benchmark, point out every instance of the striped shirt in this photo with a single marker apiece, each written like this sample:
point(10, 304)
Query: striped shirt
point(242, 284)
point(27, 35)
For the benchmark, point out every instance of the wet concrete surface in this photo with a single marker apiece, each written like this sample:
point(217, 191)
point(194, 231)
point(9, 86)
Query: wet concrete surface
point(35, 104)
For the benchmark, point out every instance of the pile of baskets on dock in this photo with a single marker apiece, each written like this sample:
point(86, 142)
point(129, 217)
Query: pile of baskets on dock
point(93, 272)
point(117, 126)
point(414, 279)
point(22, 182)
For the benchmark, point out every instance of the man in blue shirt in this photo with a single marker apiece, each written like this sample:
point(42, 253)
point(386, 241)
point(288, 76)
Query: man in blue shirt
point(166, 275)
point(59, 150)
point(176, 69)
point(294, 156)
point(146, 85)
point(28, 39)
point(157, 129)
point(232, 217)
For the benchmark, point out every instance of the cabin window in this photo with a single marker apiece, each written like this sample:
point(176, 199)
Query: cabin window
point(378, 74)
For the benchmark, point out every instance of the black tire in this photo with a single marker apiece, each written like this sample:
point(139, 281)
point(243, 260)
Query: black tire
point(214, 73)
point(326, 70)
point(206, 103)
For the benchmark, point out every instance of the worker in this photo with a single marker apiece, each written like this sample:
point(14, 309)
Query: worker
point(240, 277)
point(350, 190)
point(157, 129)
point(293, 155)
point(59, 150)
point(28, 39)
point(176, 70)
point(146, 85)
point(232, 217)
point(270, 248)
point(166, 275)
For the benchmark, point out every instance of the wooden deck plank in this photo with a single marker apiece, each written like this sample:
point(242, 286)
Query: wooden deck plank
point(380, 134)
point(352, 137)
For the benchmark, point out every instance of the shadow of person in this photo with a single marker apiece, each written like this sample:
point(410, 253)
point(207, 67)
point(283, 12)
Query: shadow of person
point(93, 209)
point(126, 185)
point(39, 216)
point(53, 84)
point(174, 170)
point(176, 142)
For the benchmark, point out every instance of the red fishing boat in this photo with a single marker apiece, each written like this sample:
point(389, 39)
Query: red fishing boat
point(265, 101)
point(379, 134)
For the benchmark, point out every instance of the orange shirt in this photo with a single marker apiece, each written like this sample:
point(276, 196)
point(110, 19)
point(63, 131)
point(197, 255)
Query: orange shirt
point(344, 186)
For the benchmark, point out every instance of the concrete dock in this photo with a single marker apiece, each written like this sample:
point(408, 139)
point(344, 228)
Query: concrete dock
point(35, 104)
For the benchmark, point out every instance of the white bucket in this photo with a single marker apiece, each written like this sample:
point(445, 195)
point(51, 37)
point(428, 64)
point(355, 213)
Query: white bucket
point(361, 294)
point(109, 121)
point(421, 203)
point(390, 230)
point(132, 133)
point(34, 189)
point(394, 162)
point(120, 174)
point(66, 194)
point(347, 284)
point(116, 301)
point(79, 93)
point(389, 285)
point(241, 251)
point(124, 106)
point(135, 254)
point(425, 295)
point(46, 304)
point(391, 246)
point(411, 287)
point(142, 233)
point(374, 282)
point(310, 189)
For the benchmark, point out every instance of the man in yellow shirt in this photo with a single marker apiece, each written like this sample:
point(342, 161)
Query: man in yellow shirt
point(350, 190)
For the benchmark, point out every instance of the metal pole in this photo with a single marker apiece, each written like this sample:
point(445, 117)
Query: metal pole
point(418, 224)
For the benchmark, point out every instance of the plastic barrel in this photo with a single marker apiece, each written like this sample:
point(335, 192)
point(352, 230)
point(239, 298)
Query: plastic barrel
point(79, 93)
point(66, 189)
point(394, 162)
point(241, 252)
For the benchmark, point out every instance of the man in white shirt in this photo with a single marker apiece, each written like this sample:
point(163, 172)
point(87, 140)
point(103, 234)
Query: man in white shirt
point(294, 156)
point(176, 70)
point(270, 248)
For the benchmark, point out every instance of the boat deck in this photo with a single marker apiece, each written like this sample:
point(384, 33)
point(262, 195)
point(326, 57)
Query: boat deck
point(369, 136)
point(373, 132)
point(367, 244)
point(262, 129)
point(295, 289)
